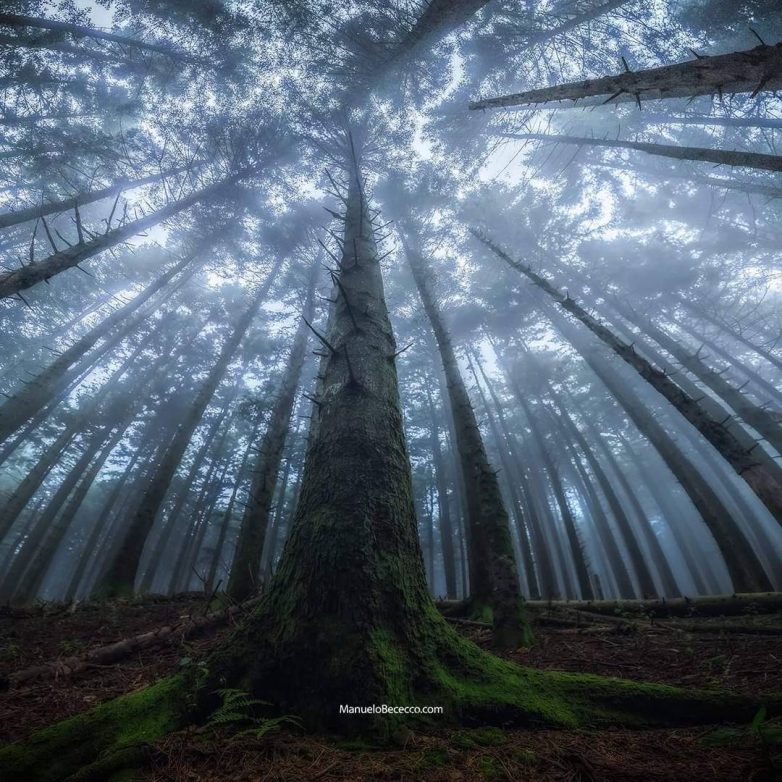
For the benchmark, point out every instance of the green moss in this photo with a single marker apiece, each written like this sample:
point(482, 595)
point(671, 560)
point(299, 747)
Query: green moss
point(524, 757)
point(67, 747)
point(434, 758)
point(490, 768)
point(489, 737)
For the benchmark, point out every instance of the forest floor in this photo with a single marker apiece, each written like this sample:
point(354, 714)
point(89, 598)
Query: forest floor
point(741, 653)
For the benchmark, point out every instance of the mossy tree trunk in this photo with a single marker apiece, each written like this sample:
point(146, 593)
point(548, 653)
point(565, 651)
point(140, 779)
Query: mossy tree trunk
point(493, 580)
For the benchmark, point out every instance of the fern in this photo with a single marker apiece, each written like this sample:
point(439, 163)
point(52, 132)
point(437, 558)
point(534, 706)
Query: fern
point(237, 709)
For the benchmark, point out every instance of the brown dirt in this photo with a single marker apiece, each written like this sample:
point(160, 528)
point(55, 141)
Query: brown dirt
point(641, 650)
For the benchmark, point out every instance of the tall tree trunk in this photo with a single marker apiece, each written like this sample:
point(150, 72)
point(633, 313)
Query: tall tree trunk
point(252, 532)
point(744, 567)
point(443, 501)
point(753, 71)
point(555, 481)
point(12, 282)
point(755, 416)
point(80, 31)
point(8, 219)
point(34, 396)
point(516, 507)
point(757, 476)
point(347, 618)
point(493, 580)
point(725, 157)
point(544, 568)
point(227, 516)
point(120, 573)
point(645, 580)
point(183, 493)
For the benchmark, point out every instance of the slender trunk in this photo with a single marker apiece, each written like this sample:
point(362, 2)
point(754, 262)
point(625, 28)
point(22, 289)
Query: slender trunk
point(120, 573)
point(182, 494)
point(39, 392)
point(493, 580)
point(8, 219)
point(754, 70)
point(757, 476)
point(555, 481)
point(703, 314)
point(80, 31)
point(745, 569)
point(12, 282)
point(516, 506)
point(252, 532)
point(755, 416)
point(705, 583)
point(443, 501)
point(575, 21)
point(640, 568)
point(726, 157)
point(227, 517)
point(544, 569)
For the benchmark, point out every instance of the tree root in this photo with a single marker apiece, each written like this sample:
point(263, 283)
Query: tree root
point(446, 669)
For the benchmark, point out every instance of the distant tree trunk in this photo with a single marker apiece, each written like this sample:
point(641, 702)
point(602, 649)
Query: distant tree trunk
point(493, 580)
point(725, 122)
point(755, 416)
point(703, 314)
point(182, 494)
point(744, 567)
point(753, 71)
point(576, 547)
point(227, 516)
point(34, 396)
point(80, 31)
point(703, 578)
point(544, 568)
point(726, 157)
point(119, 574)
point(12, 282)
point(757, 476)
point(643, 524)
point(252, 532)
point(27, 576)
point(517, 507)
point(645, 580)
point(443, 501)
point(8, 219)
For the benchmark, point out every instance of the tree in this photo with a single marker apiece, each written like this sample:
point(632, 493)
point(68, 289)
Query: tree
point(255, 520)
point(749, 71)
point(493, 580)
point(760, 480)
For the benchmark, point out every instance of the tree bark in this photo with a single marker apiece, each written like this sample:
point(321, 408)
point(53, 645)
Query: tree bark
point(726, 157)
point(8, 219)
point(12, 282)
point(753, 71)
point(493, 580)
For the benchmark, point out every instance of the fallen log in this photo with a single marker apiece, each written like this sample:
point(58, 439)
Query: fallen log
point(112, 653)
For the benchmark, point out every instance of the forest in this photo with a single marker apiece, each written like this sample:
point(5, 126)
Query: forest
point(390, 390)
